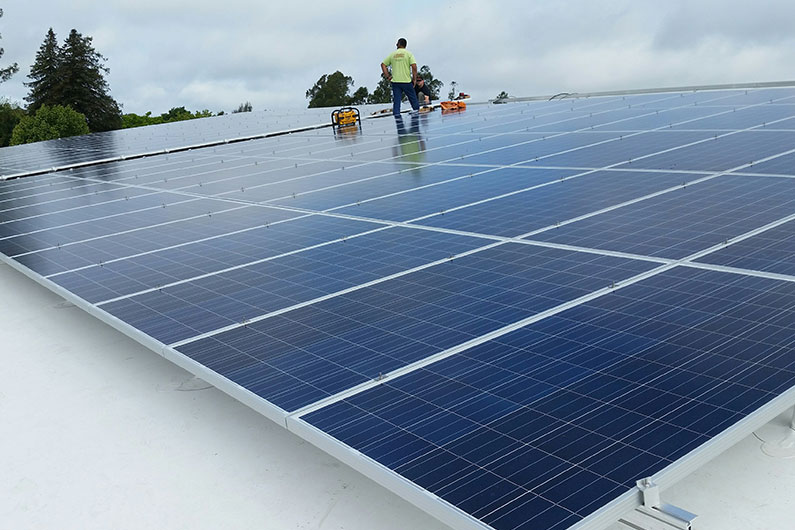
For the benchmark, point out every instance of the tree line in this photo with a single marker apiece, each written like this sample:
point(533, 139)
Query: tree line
point(333, 90)
point(69, 95)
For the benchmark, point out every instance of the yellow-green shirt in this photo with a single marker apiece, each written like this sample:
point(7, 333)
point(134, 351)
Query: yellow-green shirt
point(401, 61)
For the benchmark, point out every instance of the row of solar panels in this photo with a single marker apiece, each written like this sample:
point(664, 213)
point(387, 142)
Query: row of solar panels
point(520, 309)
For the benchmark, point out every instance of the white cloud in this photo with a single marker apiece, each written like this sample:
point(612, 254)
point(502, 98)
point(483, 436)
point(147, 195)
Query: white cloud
point(201, 54)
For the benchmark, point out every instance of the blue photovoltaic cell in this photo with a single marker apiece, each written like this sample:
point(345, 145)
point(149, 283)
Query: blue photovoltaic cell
point(754, 97)
point(483, 184)
point(410, 146)
point(93, 251)
point(186, 310)
point(782, 165)
point(536, 149)
point(770, 251)
point(39, 232)
point(723, 152)
point(105, 281)
point(661, 118)
point(742, 118)
point(301, 265)
point(219, 179)
point(594, 119)
point(98, 146)
point(602, 114)
point(60, 192)
point(682, 222)
point(208, 174)
point(623, 149)
point(385, 180)
point(64, 196)
point(543, 207)
point(41, 156)
point(298, 357)
point(541, 427)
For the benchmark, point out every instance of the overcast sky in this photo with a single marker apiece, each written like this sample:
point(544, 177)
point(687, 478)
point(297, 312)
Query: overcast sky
point(211, 54)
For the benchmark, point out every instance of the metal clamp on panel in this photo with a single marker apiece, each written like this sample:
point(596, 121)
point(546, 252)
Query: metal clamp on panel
point(655, 514)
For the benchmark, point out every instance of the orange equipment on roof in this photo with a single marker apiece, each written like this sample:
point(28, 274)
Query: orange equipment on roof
point(453, 105)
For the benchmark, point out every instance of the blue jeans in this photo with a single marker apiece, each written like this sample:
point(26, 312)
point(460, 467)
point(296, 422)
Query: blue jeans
point(398, 89)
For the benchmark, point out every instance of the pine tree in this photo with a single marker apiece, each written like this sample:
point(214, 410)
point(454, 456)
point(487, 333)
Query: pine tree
point(8, 71)
point(83, 84)
point(73, 75)
point(44, 74)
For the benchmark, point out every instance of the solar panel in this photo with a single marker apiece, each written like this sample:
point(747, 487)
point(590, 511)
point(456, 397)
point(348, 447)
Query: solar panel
point(538, 428)
point(154, 139)
point(507, 315)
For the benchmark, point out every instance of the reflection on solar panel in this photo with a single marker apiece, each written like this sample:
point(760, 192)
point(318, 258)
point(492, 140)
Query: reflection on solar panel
point(507, 315)
point(156, 139)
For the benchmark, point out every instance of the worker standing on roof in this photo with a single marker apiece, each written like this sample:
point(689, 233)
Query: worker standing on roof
point(403, 76)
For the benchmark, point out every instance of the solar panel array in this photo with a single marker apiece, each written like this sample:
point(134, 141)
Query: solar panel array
point(517, 310)
point(124, 143)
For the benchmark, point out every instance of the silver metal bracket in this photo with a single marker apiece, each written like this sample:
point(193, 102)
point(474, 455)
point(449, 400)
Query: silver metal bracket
point(655, 514)
point(778, 441)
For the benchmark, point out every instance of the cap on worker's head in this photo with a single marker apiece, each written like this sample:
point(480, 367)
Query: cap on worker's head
point(401, 43)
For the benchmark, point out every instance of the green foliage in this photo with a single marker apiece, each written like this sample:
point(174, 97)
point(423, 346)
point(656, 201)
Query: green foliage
point(175, 114)
point(49, 123)
point(8, 71)
point(10, 115)
point(73, 75)
point(136, 120)
point(382, 92)
point(359, 97)
point(331, 90)
point(431, 82)
point(243, 107)
point(84, 86)
point(44, 75)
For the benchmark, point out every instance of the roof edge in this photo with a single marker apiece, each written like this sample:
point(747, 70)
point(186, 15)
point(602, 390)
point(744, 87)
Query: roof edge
point(688, 88)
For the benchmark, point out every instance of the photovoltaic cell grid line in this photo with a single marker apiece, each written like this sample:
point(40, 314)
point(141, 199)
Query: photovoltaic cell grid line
point(680, 223)
point(543, 426)
point(153, 139)
point(772, 251)
point(296, 268)
point(166, 179)
point(298, 357)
